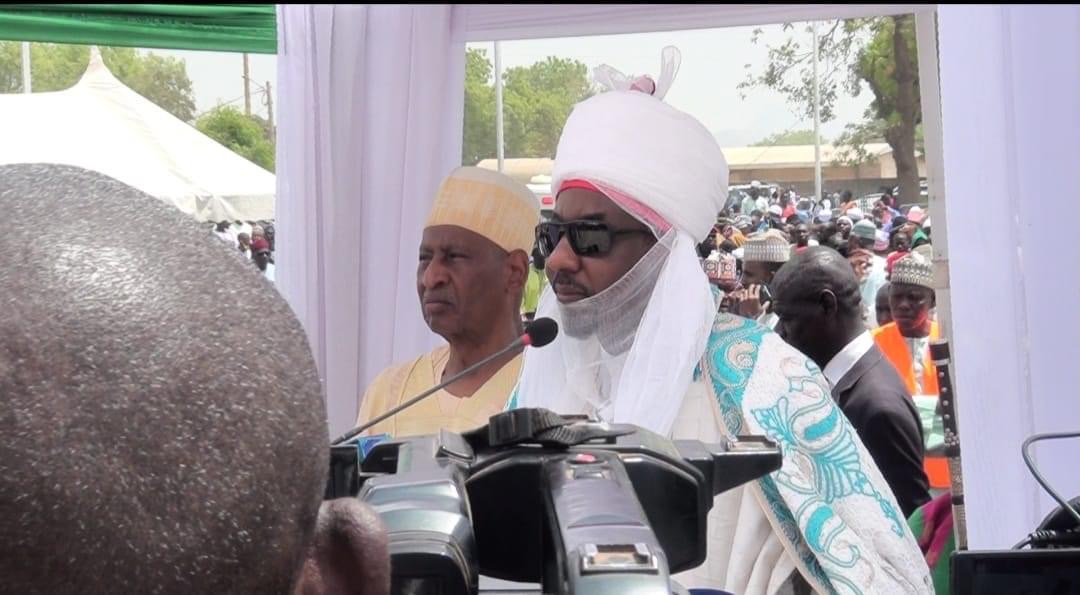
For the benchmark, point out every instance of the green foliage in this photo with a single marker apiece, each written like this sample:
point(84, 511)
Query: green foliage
point(55, 67)
point(790, 137)
point(537, 100)
point(243, 135)
point(876, 64)
point(479, 138)
point(853, 53)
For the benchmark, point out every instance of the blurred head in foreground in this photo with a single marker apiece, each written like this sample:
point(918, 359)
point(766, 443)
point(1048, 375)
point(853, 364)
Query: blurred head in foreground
point(147, 443)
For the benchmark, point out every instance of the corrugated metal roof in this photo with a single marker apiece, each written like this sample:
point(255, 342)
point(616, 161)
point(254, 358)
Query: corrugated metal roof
point(777, 157)
point(789, 156)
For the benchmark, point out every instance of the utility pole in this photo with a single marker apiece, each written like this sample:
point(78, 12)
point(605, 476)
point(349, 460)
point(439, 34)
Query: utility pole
point(26, 67)
point(817, 123)
point(247, 87)
point(270, 109)
point(498, 108)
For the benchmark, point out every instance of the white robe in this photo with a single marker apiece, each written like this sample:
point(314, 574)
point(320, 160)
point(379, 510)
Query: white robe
point(744, 555)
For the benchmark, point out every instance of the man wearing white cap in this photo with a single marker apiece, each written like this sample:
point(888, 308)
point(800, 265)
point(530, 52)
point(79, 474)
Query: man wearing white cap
point(638, 185)
point(906, 341)
point(472, 271)
point(763, 255)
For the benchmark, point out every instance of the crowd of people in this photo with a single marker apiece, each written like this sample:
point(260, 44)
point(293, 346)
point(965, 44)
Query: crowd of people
point(254, 239)
point(782, 225)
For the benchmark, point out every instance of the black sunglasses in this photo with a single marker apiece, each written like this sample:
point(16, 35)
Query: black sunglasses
point(587, 238)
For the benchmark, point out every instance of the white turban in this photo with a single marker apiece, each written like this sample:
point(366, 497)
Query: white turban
point(656, 154)
point(627, 354)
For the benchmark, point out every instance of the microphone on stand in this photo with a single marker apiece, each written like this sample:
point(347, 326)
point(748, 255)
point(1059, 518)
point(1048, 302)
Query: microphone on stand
point(538, 333)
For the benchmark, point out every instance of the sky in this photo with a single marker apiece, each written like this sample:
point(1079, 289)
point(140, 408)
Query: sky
point(713, 64)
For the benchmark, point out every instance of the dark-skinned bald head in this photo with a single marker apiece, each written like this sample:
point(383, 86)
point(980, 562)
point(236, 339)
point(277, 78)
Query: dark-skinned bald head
point(815, 269)
point(162, 427)
point(817, 300)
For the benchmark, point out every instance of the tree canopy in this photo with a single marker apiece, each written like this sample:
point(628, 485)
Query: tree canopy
point(537, 100)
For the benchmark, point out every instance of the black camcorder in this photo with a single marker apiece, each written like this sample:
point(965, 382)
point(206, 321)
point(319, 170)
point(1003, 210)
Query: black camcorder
point(573, 504)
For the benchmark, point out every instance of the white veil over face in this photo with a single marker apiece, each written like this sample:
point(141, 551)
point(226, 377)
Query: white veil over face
point(628, 353)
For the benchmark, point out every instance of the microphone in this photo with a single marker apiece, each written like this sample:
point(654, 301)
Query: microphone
point(538, 333)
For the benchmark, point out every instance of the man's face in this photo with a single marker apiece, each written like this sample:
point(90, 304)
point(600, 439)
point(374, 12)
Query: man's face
point(881, 307)
point(262, 259)
point(902, 241)
point(462, 280)
point(844, 227)
point(756, 220)
point(756, 273)
point(910, 307)
point(802, 235)
point(574, 277)
point(727, 231)
point(801, 325)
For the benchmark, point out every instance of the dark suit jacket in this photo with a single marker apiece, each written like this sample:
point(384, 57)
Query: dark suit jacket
point(876, 401)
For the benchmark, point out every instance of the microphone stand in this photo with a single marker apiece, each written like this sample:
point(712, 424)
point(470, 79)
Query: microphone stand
point(518, 343)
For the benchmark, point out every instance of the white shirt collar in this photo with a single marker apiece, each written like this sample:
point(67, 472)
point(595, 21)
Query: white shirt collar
point(843, 362)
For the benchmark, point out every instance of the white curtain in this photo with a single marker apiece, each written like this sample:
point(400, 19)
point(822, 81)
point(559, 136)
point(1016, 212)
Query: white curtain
point(370, 104)
point(1010, 92)
point(488, 22)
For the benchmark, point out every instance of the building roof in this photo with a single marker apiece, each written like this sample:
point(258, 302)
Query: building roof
point(738, 158)
point(789, 156)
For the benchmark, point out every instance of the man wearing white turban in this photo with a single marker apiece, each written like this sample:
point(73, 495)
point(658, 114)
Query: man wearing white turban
point(638, 185)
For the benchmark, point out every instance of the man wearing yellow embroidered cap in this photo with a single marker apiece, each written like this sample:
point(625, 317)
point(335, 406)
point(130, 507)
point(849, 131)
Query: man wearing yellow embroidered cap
point(471, 273)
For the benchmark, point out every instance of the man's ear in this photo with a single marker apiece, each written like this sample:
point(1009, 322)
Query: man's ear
point(517, 262)
point(828, 302)
point(349, 553)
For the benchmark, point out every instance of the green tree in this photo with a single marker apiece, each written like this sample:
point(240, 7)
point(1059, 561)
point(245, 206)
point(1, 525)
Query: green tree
point(790, 137)
point(879, 52)
point(243, 135)
point(537, 100)
point(55, 67)
point(479, 138)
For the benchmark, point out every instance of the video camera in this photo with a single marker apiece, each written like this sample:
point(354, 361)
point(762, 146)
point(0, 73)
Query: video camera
point(573, 504)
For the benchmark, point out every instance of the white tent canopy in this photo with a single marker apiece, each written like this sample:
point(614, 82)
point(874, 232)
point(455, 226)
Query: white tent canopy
point(102, 125)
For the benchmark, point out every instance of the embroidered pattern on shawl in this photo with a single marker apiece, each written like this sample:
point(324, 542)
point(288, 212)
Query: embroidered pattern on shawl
point(822, 467)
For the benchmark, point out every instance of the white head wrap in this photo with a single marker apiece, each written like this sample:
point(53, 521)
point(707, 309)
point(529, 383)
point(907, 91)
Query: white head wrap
point(627, 354)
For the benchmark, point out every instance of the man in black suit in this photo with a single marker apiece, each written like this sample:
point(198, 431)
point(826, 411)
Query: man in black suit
point(817, 300)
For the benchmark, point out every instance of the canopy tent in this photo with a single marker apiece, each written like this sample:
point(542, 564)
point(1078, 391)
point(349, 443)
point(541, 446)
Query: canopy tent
point(102, 125)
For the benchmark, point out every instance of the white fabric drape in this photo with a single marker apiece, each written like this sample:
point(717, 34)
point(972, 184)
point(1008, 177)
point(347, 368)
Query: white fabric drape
point(370, 104)
point(1010, 87)
point(488, 22)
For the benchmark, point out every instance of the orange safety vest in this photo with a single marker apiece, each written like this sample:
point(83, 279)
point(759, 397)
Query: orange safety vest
point(895, 349)
point(893, 345)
